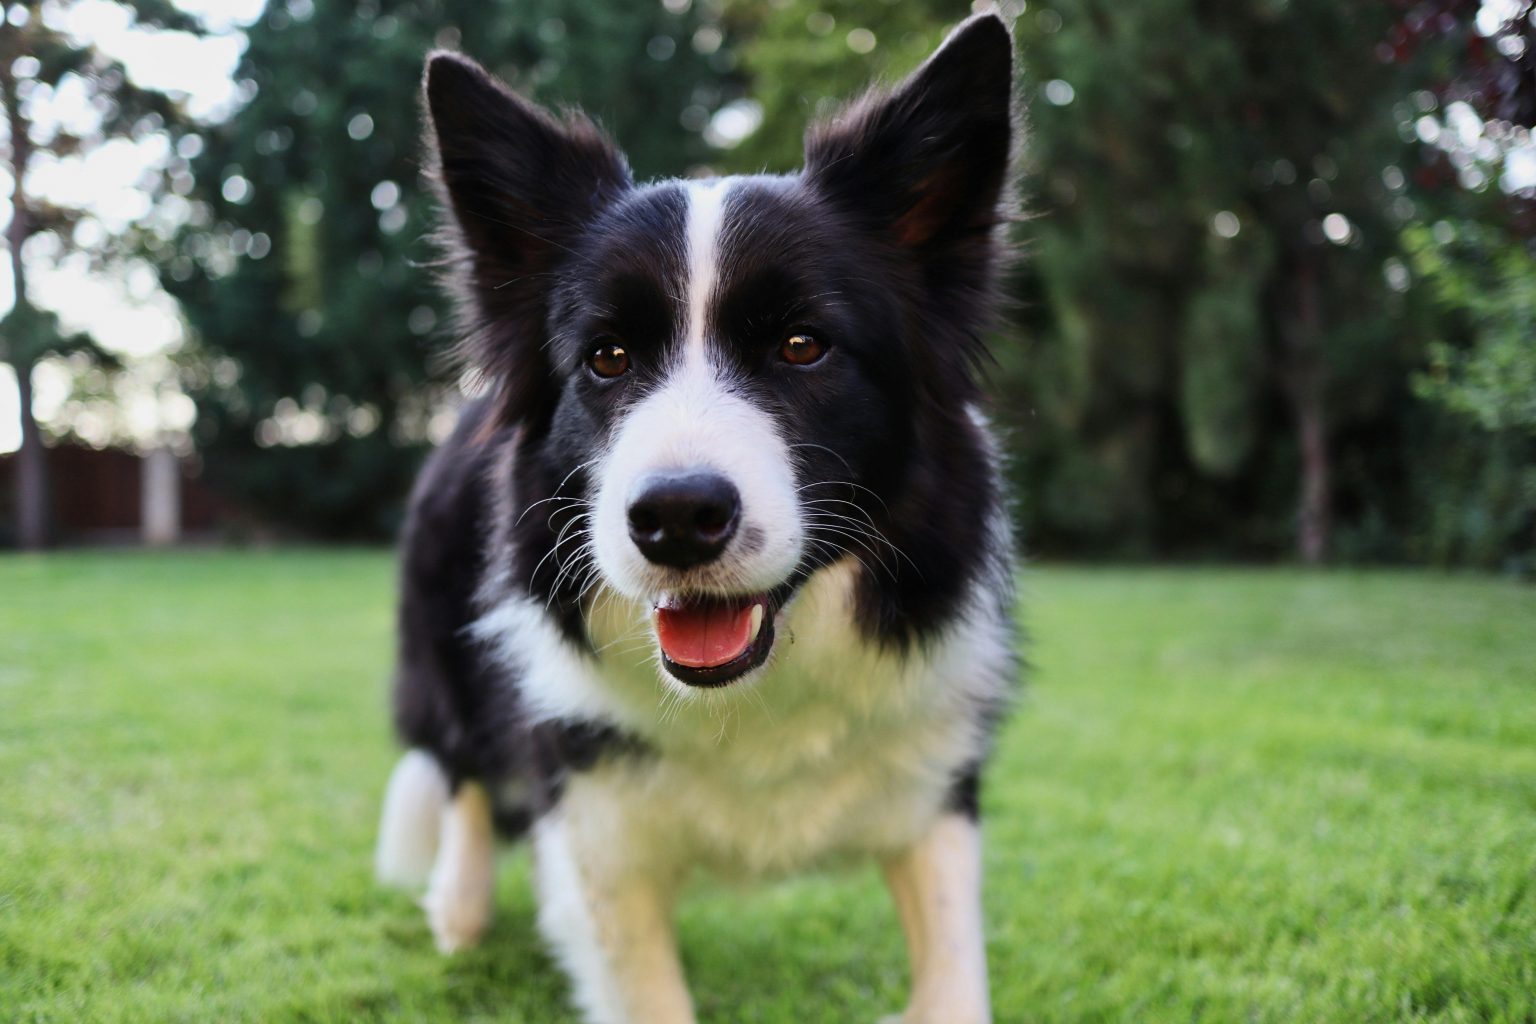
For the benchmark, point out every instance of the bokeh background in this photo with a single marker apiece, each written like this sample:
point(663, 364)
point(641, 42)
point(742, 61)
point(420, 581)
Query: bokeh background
point(1279, 301)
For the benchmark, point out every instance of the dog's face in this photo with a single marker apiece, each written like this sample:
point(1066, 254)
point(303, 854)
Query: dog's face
point(729, 372)
point(730, 375)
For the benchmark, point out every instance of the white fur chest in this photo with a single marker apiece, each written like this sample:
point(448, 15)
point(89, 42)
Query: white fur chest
point(835, 748)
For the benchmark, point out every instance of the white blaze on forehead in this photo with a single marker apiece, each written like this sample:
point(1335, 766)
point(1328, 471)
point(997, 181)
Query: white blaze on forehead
point(696, 418)
point(706, 213)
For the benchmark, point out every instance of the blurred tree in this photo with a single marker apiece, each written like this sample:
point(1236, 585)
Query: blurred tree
point(1474, 474)
point(315, 322)
point(36, 59)
point(1493, 283)
point(1483, 370)
point(1233, 169)
point(802, 58)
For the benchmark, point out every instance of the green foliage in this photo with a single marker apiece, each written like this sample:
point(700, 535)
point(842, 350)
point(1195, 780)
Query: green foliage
point(804, 58)
point(1182, 160)
point(1479, 485)
point(1231, 796)
point(1491, 284)
point(321, 340)
point(1221, 356)
point(29, 334)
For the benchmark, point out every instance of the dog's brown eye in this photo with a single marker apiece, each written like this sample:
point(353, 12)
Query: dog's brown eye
point(801, 350)
point(609, 360)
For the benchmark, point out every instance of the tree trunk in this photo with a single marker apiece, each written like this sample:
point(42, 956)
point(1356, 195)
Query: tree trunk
point(1314, 513)
point(32, 519)
point(32, 505)
point(1305, 380)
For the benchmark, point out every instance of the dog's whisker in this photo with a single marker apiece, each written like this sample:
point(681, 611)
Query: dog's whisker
point(855, 535)
point(562, 498)
point(850, 485)
point(573, 563)
point(848, 523)
point(557, 496)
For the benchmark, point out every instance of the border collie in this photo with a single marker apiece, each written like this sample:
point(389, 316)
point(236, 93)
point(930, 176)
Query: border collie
point(718, 575)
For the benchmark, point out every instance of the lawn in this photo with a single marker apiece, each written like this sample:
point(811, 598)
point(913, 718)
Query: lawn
point(1230, 795)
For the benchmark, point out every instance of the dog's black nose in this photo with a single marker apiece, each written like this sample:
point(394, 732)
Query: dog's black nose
point(682, 519)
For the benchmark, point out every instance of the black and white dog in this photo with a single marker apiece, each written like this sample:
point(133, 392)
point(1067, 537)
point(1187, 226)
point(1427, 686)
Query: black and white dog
point(718, 577)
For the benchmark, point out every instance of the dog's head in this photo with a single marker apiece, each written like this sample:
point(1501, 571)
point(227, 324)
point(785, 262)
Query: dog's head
point(718, 387)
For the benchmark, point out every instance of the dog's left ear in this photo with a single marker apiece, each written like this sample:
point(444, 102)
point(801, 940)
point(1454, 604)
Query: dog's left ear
point(927, 164)
point(519, 185)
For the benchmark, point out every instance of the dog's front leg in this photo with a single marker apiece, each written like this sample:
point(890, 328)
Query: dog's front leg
point(462, 887)
point(936, 884)
point(610, 923)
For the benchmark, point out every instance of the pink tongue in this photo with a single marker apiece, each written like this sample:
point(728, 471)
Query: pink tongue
point(704, 635)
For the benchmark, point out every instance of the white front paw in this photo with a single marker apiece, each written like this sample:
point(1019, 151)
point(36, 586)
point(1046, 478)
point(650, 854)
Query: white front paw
point(457, 923)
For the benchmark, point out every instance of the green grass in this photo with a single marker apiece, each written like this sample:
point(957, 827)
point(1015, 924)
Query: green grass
point(1230, 795)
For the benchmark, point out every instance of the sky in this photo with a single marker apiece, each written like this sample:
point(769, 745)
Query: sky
point(129, 313)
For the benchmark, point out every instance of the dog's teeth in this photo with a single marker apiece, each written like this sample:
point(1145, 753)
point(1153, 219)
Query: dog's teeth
point(757, 620)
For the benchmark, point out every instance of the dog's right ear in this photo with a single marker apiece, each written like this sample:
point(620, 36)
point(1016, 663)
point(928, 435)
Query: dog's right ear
point(518, 184)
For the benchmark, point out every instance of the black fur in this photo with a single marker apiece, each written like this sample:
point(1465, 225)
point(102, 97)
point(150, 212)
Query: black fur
point(888, 246)
point(965, 793)
point(442, 689)
point(522, 187)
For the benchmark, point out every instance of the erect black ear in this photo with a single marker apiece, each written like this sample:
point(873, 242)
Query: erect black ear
point(519, 184)
point(928, 163)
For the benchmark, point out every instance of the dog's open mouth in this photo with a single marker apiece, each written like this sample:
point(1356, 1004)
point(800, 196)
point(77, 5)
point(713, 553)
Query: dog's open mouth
point(713, 641)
